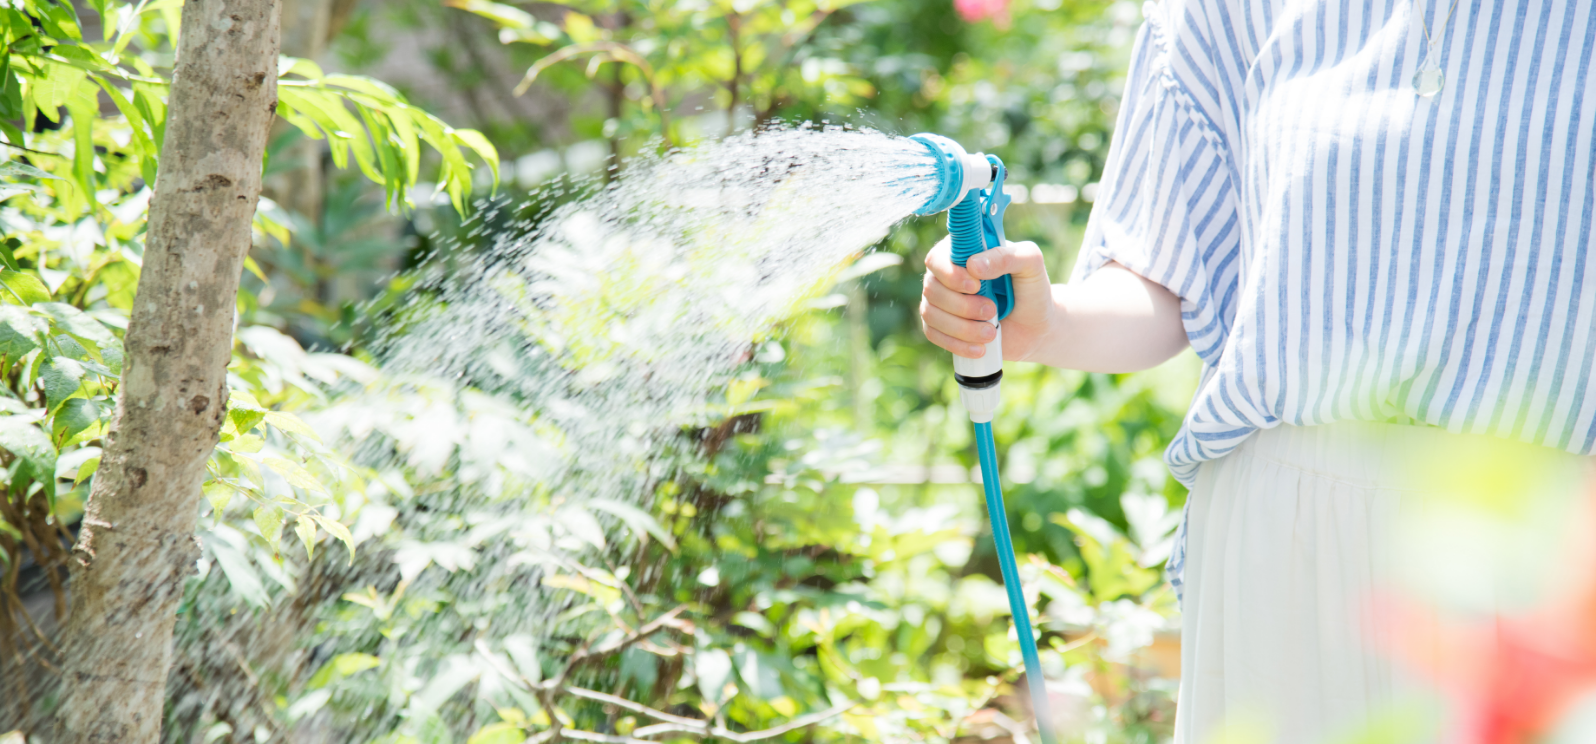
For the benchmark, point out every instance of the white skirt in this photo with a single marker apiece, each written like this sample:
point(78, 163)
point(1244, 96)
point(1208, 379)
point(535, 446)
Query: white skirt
point(1290, 538)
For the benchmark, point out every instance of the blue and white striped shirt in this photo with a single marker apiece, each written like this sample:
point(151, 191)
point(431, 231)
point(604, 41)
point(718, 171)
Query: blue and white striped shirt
point(1345, 249)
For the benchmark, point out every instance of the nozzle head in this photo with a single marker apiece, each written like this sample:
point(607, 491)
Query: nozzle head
point(958, 172)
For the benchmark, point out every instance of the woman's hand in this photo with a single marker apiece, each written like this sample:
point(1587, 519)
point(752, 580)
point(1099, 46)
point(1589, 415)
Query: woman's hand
point(958, 320)
point(1114, 321)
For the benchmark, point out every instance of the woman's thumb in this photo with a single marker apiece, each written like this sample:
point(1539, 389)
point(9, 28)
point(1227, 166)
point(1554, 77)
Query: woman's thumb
point(1022, 260)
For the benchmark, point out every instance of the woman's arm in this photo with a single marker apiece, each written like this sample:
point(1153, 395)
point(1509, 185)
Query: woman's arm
point(1114, 321)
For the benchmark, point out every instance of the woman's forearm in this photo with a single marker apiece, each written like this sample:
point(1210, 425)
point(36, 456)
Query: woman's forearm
point(1113, 321)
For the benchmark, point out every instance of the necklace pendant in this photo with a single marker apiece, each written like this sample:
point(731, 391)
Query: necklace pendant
point(1428, 81)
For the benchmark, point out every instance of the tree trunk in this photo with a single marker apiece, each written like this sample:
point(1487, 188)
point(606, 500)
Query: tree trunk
point(137, 543)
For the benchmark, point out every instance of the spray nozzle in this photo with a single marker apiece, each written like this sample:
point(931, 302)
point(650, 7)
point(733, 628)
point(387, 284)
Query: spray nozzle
point(958, 172)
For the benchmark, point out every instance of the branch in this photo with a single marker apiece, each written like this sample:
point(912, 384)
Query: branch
point(615, 51)
point(558, 681)
point(581, 735)
point(625, 704)
point(673, 724)
point(704, 729)
point(648, 629)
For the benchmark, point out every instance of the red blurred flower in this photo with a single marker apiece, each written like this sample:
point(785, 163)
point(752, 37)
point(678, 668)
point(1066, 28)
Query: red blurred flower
point(1512, 678)
point(980, 10)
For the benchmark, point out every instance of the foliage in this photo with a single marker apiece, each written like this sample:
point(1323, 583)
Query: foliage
point(773, 576)
point(774, 580)
point(746, 57)
point(73, 209)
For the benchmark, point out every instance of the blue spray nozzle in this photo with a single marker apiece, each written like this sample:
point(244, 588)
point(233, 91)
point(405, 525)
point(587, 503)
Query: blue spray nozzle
point(970, 188)
point(949, 160)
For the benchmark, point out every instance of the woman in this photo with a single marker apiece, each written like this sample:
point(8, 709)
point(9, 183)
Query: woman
point(1372, 222)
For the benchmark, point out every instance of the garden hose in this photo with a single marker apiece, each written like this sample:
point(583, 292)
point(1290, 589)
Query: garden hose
point(970, 188)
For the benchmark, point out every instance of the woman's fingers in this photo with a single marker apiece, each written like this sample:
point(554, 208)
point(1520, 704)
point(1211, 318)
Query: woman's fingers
point(962, 329)
point(939, 262)
point(957, 319)
point(972, 306)
point(954, 345)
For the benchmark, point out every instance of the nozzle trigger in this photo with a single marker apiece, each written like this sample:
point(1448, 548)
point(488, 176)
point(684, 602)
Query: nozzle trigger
point(993, 205)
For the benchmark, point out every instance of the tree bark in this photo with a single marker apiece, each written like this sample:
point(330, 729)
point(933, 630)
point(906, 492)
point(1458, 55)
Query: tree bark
point(137, 542)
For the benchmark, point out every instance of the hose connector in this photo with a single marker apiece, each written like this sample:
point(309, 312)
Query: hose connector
point(981, 380)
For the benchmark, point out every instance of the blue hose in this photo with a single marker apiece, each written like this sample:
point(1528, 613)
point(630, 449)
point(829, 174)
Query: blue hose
point(975, 224)
point(986, 449)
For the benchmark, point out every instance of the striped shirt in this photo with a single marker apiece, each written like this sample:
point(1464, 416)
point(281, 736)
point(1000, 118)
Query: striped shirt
point(1345, 249)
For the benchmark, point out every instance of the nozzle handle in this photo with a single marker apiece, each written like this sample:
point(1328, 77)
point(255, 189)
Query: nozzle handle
point(975, 225)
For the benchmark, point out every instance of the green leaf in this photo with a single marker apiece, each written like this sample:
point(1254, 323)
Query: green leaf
point(341, 666)
point(241, 575)
point(334, 528)
point(10, 92)
point(345, 132)
point(244, 411)
point(20, 331)
point(8, 253)
point(14, 169)
point(23, 289)
point(151, 101)
point(78, 324)
point(219, 494)
point(250, 469)
point(59, 20)
point(84, 106)
point(28, 443)
point(385, 94)
point(61, 377)
point(290, 424)
point(502, 732)
point(144, 146)
point(75, 416)
point(269, 519)
point(112, 355)
point(295, 474)
point(504, 15)
point(298, 66)
point(473, 139)
point(306, 529)
point(409, 145)
point(121, 281)
point(635, 518)
point(352, 664)
point(85, 470)
point(58, 85)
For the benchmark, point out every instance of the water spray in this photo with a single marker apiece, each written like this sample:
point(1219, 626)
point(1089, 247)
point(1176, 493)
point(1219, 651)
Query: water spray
point(971, 191)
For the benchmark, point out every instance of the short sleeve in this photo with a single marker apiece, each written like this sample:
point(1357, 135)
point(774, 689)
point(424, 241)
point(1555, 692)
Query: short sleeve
point(1167, 206)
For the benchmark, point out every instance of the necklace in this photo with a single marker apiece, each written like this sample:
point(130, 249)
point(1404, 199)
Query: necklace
point(1429, 80)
